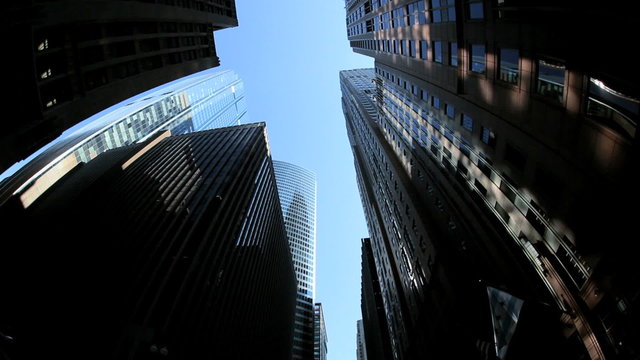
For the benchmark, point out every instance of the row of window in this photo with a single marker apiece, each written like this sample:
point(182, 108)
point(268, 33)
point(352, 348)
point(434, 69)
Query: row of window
point(550, 75)
point(417, 12)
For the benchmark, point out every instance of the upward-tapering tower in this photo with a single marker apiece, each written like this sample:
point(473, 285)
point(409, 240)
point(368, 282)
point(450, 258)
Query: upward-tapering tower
point(297, 191)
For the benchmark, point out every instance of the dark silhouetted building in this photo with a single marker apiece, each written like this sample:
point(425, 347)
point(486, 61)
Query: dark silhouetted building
point(70, 59)
point(171, 248)
point(373, 333)
point(361, 347)
point(320, 341)
point(499, 156)
point(297, 191)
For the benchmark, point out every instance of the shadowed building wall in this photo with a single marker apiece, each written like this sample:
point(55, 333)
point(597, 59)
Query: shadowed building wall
point(174, 248)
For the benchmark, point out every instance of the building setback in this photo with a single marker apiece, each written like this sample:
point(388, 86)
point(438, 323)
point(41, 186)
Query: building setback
point(172, 248)
point(71, 59)
point(297, 191)
point(494, 150)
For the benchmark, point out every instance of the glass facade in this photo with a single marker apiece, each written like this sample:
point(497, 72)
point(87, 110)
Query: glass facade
point(204, 101)
point(297, 191)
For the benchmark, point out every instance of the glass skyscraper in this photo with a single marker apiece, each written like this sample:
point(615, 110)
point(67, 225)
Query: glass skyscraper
point(297, 191)
point(203, 101)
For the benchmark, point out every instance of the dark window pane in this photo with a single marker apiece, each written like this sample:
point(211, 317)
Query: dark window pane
point(509, 65)
point(476, 10)
point(478, 61)
point(550, 80)
point(453, 54)
point(437, 51)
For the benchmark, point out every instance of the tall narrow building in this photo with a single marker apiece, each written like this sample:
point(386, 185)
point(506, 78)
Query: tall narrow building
point(203, 101)
point(320, 338)
point(71, 59)
point(373, 328)
point(494, 151)
point(361, 347)
point(171, 248)
point(297, 190)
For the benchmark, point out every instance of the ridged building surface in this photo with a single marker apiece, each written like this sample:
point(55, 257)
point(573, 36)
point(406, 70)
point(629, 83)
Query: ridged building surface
point(494, 152)
point(71, 59)
point(297, 190)
point(172, 248)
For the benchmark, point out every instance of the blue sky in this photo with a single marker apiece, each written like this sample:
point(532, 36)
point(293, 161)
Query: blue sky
point(289, 54)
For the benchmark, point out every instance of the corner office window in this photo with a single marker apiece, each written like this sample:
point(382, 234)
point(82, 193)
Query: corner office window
point(453, 54)
point(478, 59)
point(509, 65)
point(437, 51)
point(476, 10)
point(550, 79)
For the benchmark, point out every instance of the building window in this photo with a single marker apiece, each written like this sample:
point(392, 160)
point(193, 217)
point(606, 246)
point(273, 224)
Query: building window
point(443, 10)
point(412, 48)
point(488, 137)
point(398, 17)
point(450, 111)
point(476, 9)
point(550, 79)
point(478, 59)
point(402, 46)
point(424, 49)
point(424, 95)
point(509, 65)
point(467, 122)
point(437, 51)
point(453, 54)
point(435, 102)
point(416, 13)
point(395, 46)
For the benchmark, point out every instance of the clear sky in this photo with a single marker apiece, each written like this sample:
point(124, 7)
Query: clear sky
point(289, 54)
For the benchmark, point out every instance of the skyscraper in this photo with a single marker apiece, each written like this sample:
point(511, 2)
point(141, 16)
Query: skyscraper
point(71, 59)
point(203, 101)
point(319, 334)
point(297, 190)
point(174, 247)
point(361, 350)
point(373, 328)
point(492, 170)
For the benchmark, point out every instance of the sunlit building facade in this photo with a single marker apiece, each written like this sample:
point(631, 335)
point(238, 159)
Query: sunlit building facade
point(174, 247)
point(297, 189)
point(72, 59)
point(494, 121)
